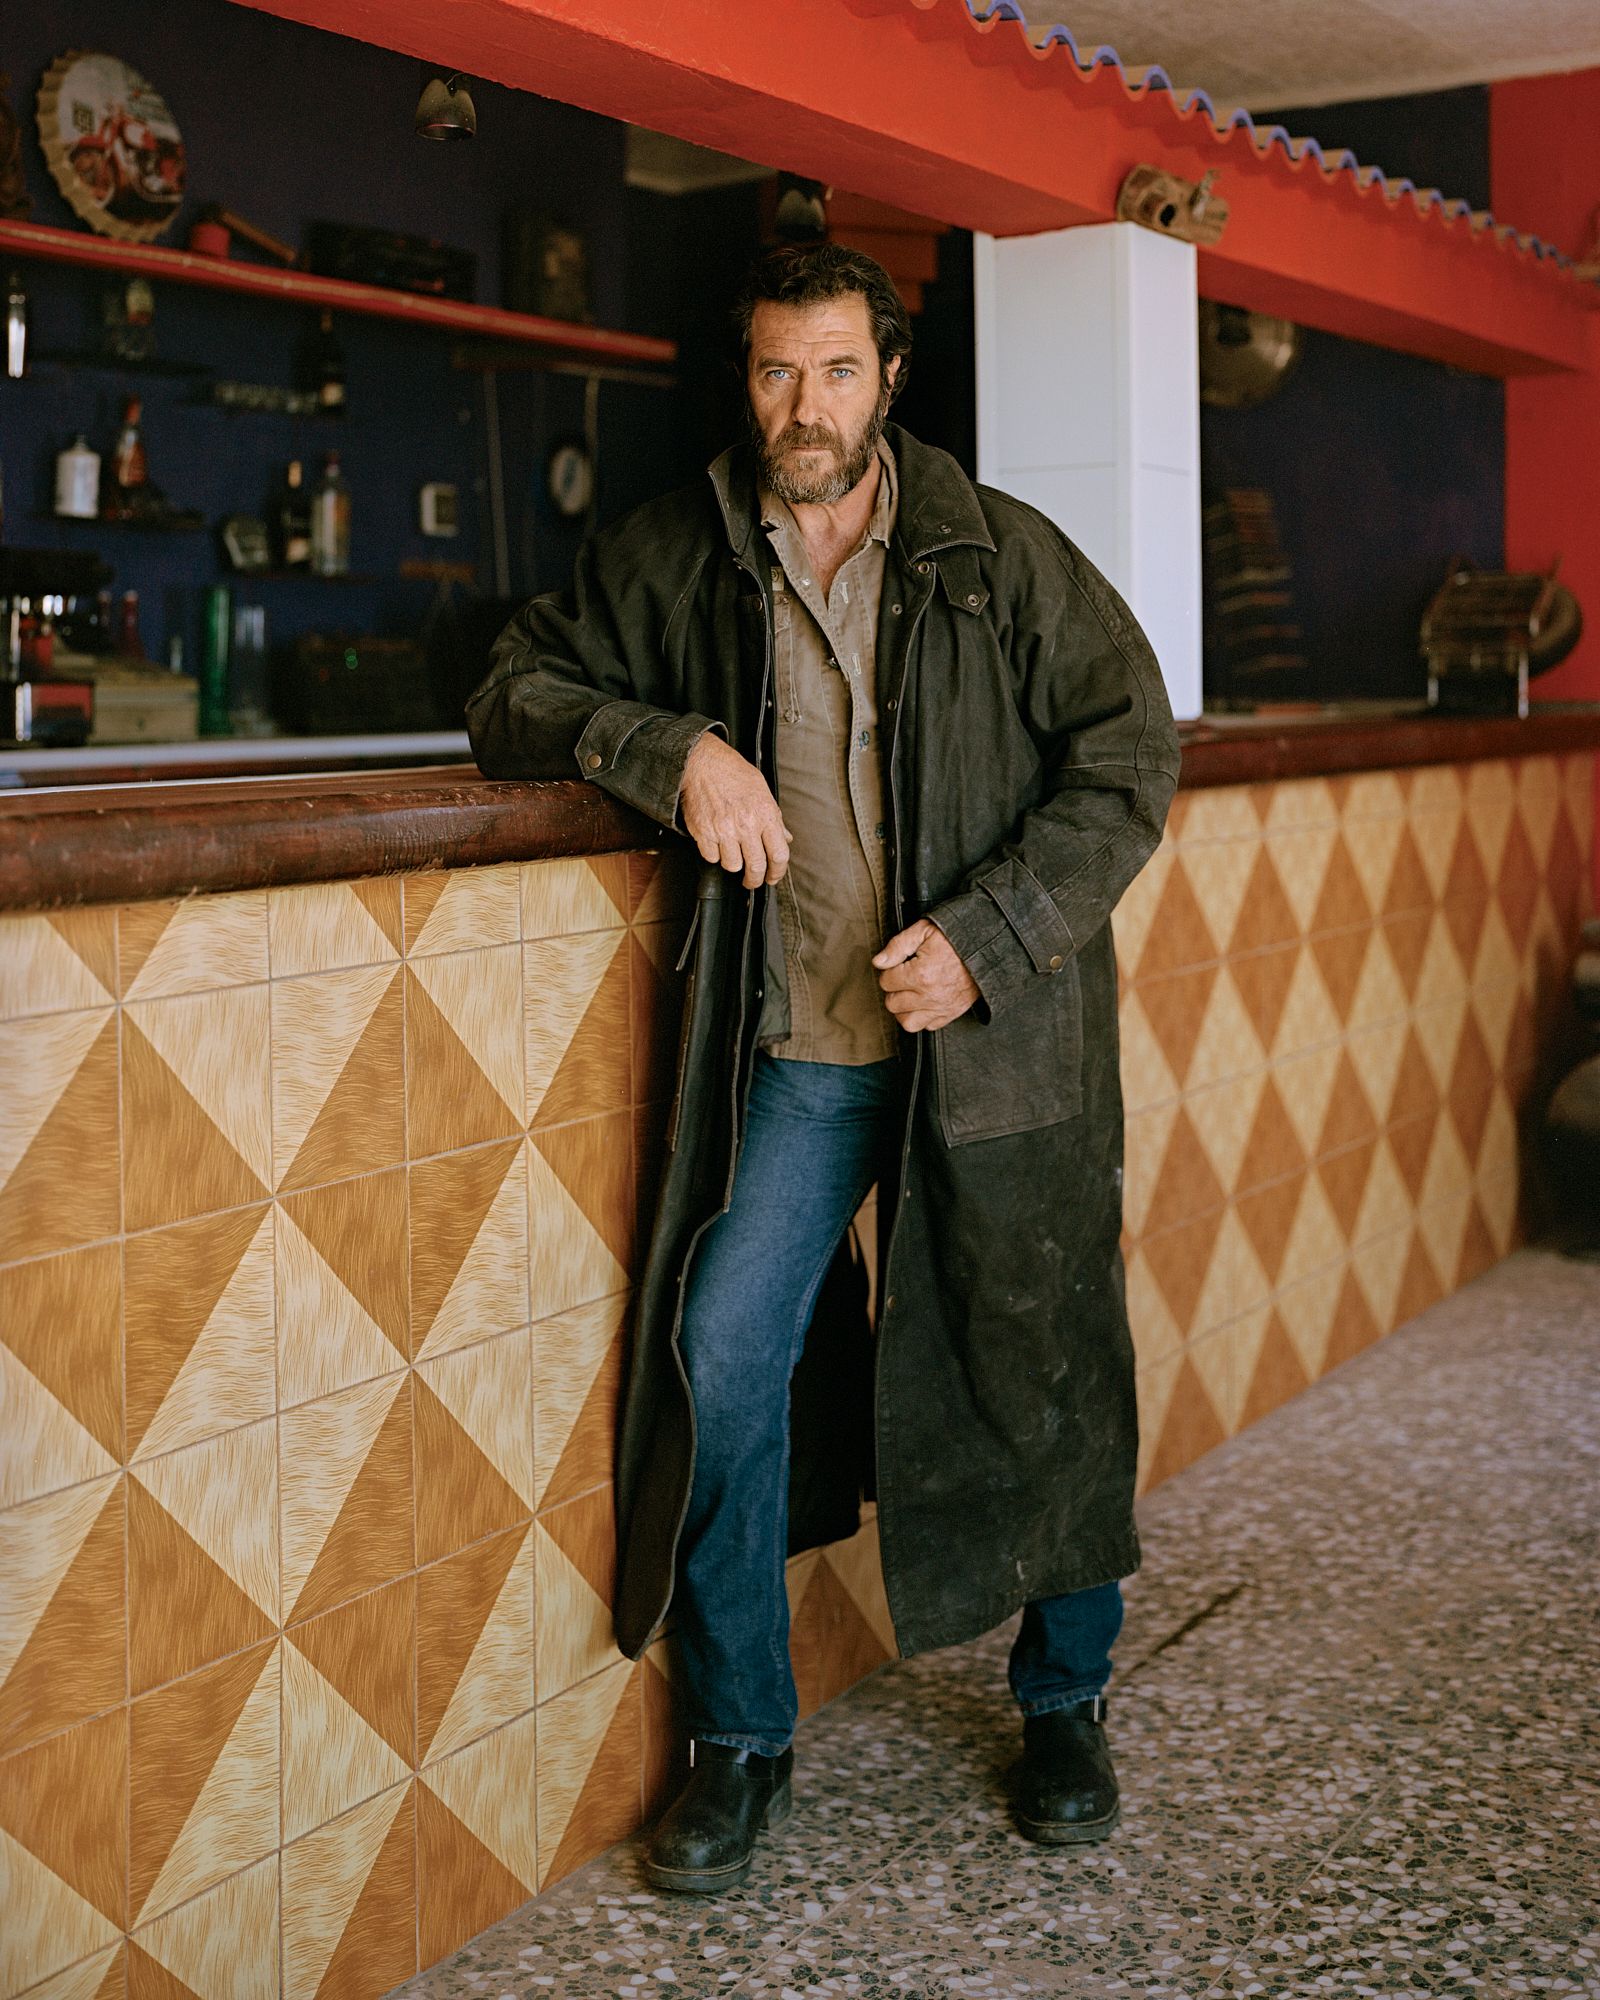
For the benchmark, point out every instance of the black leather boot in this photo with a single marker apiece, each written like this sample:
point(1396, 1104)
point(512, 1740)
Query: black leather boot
point(1067, 1789)
point(707, 1836)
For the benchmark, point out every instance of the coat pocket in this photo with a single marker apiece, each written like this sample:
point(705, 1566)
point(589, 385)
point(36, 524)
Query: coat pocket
point(1017, 1073)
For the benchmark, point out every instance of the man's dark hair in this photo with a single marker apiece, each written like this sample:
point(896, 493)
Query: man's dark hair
point(811, 274)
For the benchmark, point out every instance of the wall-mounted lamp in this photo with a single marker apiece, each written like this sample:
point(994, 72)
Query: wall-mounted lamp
point(445, 109)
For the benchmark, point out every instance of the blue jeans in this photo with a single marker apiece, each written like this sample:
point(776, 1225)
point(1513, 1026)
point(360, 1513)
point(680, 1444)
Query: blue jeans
point(815, 1140)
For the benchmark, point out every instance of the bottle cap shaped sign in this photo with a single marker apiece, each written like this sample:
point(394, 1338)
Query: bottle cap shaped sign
point(111, 145)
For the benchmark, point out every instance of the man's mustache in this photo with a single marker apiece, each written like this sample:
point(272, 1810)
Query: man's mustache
point(799, 437)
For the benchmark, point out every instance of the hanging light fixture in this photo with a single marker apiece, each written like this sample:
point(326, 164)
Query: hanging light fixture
point(445, 109)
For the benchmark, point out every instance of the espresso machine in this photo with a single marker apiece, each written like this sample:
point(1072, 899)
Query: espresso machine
point(54, 614)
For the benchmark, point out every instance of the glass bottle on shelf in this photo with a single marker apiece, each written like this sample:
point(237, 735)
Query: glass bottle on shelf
point(129, 468)
point(330, 522)
point(323, 368)
point(129, 642)
point(294, 520)
point(16, 328)
point(78, 481)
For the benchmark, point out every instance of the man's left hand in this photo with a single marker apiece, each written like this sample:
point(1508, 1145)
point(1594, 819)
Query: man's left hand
point(924, 982)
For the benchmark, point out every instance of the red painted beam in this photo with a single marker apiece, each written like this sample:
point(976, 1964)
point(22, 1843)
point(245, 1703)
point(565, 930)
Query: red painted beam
point(911, 102)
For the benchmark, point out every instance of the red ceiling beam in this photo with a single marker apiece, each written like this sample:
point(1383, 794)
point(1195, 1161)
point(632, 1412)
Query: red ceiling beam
point(912, 103)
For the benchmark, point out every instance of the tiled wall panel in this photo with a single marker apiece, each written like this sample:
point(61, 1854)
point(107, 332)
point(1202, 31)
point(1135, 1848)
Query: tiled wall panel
point(319, 1211)
point(1334, 998)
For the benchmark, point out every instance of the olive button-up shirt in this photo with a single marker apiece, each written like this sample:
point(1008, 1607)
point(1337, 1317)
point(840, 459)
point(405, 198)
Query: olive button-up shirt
point(833, 903)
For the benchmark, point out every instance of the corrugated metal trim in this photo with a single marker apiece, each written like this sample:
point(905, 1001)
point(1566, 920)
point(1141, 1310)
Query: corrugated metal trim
point(1151, 86)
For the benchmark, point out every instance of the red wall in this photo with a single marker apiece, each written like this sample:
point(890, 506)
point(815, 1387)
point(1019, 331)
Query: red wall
point(1544, 155)
point(1544, 159)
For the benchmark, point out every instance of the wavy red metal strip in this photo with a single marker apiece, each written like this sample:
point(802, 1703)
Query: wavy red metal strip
point(1002, 37)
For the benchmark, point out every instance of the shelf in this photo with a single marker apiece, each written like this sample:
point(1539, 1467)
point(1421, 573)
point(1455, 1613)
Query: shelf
point(115, 364)
point(178, 523)
point(303, 288)
point(248, 576)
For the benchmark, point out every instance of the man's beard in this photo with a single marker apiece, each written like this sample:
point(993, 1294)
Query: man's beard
point(822, 485)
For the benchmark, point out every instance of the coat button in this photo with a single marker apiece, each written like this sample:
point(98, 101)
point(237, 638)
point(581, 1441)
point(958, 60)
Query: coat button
point(888, 1304)
point(972, 599)
point(595, 762)
point(893, 704)
point(1057, 962)
point(894, 611)
point(922, 569)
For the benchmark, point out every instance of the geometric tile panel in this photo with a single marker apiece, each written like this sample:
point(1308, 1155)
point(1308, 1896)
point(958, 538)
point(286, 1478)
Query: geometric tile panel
point(318, 1225)
point(1333, 997)
point(320, 1212)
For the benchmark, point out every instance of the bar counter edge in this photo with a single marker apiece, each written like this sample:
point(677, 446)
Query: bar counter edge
point(126, 843)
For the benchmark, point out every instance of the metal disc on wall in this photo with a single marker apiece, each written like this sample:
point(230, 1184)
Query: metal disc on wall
point(112, 145)
point(1244, 356)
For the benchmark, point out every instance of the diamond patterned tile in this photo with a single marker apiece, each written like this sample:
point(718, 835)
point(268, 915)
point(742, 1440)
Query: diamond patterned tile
point(202, 1553)
point(60, 1371)
point(350, 1902)
point(192, 946)
point(204, 1780)
point(57, 963)
point(66, 1873)
point(325, 926)
point(58, 1141)
point(63, 1609)
point(477, 1837)
point(462, 909)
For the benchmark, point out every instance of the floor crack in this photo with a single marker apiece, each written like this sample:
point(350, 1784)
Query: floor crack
point(1218, 1603)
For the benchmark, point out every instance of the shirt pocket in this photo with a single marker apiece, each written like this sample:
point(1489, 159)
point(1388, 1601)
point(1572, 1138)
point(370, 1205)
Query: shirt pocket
point(1018, 1072)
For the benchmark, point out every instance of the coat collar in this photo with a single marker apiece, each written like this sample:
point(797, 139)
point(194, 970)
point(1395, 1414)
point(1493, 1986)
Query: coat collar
point(939, 506)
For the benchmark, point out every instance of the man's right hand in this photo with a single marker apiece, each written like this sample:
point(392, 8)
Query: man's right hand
point(731, 815)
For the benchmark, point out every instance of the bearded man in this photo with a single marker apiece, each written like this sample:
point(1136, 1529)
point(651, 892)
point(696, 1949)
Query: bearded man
point(922, 747)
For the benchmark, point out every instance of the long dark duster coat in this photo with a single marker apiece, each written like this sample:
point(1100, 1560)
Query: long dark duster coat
point(1030, 758)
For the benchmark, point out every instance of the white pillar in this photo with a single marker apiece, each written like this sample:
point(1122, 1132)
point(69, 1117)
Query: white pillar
point(1089, 409)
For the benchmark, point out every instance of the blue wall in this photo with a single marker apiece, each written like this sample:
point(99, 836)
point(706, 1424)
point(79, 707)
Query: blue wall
point(1382, 466)
point(285, 124)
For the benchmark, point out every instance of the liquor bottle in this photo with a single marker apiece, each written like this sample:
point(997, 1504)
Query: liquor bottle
point(129, 467)
point(330, 522)
point(16, 328)
point(128, 640)
point(323, 368)
point(294, 520)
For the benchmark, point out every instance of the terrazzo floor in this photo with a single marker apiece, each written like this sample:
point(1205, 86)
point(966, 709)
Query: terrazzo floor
point(1355, 1720)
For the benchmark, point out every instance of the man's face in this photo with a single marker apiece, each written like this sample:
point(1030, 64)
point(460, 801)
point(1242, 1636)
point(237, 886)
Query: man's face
point(818, 396)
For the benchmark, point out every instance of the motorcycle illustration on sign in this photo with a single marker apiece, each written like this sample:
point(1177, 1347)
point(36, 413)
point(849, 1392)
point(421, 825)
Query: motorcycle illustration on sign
point(112, 145)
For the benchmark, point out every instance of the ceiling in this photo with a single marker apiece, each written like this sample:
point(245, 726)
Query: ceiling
point(1270, 53)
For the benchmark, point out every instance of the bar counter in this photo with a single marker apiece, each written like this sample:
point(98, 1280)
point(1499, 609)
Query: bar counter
point(329, 1108)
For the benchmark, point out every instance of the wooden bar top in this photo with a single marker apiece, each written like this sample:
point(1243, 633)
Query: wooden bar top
point(125, 843)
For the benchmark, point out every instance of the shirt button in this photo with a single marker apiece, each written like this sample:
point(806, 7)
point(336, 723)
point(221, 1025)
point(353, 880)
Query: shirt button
point(879, 829)
point(595, 763)
point(1057, 962)
point(864, 738)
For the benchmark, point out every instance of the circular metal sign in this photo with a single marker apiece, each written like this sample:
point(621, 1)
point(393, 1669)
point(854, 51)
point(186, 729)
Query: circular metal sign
point(111, 145)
